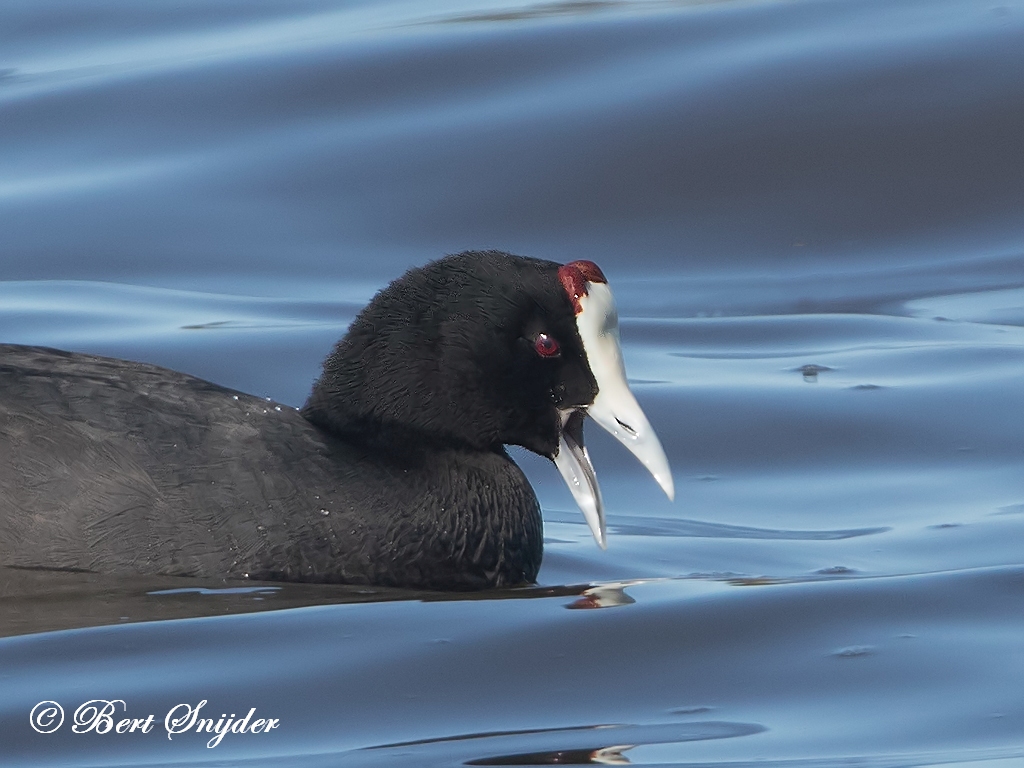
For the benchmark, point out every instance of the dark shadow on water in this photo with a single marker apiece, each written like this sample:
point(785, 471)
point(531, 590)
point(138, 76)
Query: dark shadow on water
point(625, 525)
point(39, 600)
point(568, 8)
point(585, 745)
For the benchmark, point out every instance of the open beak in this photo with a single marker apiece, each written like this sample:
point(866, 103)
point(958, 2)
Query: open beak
point(614, 408)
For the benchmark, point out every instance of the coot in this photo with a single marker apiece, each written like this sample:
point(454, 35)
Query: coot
point(393, 473)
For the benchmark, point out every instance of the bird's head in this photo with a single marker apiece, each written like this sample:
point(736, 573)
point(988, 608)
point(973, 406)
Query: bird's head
point(482, 349)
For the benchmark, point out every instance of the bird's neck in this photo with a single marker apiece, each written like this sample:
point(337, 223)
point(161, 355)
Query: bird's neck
point(398, 442)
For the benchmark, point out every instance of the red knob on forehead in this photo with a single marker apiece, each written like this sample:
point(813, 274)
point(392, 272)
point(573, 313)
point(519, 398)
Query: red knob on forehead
point(575, 276)
point(590, 270)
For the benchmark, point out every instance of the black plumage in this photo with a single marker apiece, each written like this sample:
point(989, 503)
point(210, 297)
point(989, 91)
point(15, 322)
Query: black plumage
point(393, 473)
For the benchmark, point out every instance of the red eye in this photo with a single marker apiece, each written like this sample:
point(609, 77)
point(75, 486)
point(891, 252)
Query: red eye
point(545, 345)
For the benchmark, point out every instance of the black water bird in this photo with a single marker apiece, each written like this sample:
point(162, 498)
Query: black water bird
point(393, 473)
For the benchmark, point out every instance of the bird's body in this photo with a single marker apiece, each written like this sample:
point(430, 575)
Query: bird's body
point(394, 473)
point(113, 466)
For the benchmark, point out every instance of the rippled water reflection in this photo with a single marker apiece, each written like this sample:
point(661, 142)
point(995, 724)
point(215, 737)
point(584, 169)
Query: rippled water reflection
point(812, 215)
